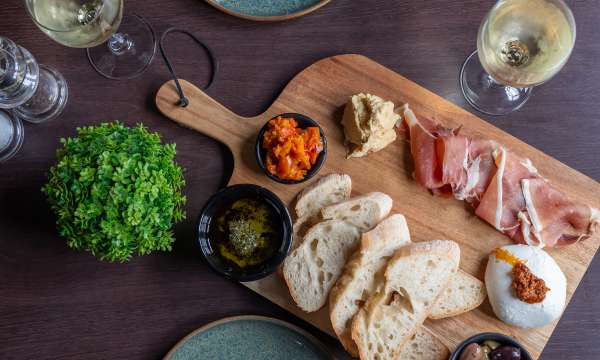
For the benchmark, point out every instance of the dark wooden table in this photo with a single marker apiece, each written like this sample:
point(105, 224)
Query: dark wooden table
point(59, 304)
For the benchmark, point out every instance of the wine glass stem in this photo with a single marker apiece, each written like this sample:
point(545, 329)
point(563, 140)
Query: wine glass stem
point(120, 43)
point(485, 93)
point(3, 65)
point(7, 65)
point(495, 83)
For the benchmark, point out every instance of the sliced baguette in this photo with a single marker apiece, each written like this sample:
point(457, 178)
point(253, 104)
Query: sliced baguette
point(424, 346)
point(314, 266)
point(464, 293)
point(364, 270)
point(328, 190)
point(364, 211)
point(415, 277)
point(357, 282)
point(300, 227)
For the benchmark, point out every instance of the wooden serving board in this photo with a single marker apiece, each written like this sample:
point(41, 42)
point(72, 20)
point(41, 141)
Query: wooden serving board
point(320, 92)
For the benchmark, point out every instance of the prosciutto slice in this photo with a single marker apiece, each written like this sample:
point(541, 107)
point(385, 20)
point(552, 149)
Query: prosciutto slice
point(453, 155)
point(503, 199)
point(481, 168)
point(551, 218)
point(428, 170)
point(505, 189)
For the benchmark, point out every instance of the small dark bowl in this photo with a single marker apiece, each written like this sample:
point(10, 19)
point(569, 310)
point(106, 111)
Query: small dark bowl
point(303, 123)
point(227, 196)
point(480, 338)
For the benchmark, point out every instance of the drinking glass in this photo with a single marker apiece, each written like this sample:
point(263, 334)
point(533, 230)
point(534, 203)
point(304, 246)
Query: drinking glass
point(520, 44)
point(11, 135)
point(32, 92)
point(90, 23)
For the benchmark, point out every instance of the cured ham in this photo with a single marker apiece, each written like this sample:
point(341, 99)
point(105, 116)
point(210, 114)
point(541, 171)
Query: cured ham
point(481, 169)
point(453, 154)
point(428, 171)
point(504, 199)
point(505, 190)
point(550, 218)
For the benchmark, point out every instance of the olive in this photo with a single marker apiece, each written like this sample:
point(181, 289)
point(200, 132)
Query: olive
point(486, 350)
point(491, 344)
point(472, 352)
point(506, 353)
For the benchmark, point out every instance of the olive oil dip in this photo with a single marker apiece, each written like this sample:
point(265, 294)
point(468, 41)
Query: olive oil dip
point(246, 233)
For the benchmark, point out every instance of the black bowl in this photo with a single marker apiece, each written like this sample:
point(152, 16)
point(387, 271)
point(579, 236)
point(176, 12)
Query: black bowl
point(227, 196)
point(480, 338)
point(303, 122)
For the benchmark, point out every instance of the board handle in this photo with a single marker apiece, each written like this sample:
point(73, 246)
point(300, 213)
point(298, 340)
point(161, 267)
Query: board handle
point(204, 114)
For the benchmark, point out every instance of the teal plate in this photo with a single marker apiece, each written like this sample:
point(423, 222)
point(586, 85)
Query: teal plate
point(267, 10)
point(249, 337)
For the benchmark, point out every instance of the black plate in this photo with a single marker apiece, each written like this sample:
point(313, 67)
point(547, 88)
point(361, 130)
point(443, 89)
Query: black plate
point(303, 122)
point(227, 196)
point(480, 338)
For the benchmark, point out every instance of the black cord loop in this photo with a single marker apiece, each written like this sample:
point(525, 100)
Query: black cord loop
point(183, 101)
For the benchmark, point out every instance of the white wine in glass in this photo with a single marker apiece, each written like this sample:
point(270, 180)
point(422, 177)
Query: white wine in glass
point(90, 23)
point(521, 44)
point(77, 23)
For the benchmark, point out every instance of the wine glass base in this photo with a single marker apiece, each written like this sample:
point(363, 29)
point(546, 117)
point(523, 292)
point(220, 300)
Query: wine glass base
point(48, 101)
point(11, 135)
point(16, 59)
point(128, 53)
point(487, 95)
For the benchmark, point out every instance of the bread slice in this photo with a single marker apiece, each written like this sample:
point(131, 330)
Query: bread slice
point(300, 227)
point(464, 293)
point(424, 346)
point(364, 270)
point(314, 266)
point(357, 282)
point(364, 211)
point(328, 190)
point(415, 277)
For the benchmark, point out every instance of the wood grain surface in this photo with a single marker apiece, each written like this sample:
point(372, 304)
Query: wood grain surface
point(320, 92)
point(59, 304)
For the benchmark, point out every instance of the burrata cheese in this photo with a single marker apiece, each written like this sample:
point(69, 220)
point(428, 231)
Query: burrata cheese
point(507, 306)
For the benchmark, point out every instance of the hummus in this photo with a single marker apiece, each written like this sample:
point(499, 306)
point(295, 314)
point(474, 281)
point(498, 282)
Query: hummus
point(369, 124)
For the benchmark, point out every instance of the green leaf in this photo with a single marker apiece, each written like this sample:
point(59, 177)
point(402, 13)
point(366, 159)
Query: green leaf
point(116, 191)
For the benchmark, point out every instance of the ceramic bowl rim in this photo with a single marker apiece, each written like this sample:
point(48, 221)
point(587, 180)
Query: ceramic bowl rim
point(263, 18)
point(316, 342)
point(203, 229)
point(259, 151)
point(501, 338)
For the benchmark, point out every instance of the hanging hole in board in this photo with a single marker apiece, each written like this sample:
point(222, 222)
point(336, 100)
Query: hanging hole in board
point(183, 100)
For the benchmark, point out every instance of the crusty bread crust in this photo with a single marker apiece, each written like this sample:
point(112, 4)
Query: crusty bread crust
point(323, 200)
point(336, 233)
point(424, 346)
point(344, 293)
point(361, 329)
point(375, 246)
point(327, 184)
point(365, 211)
point(472, 296)
point(448, 247)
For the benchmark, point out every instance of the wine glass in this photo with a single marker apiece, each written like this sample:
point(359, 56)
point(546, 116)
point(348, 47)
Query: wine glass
point(520, 44)
point(90, 23)
point(11, 135)
point(32, 92)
